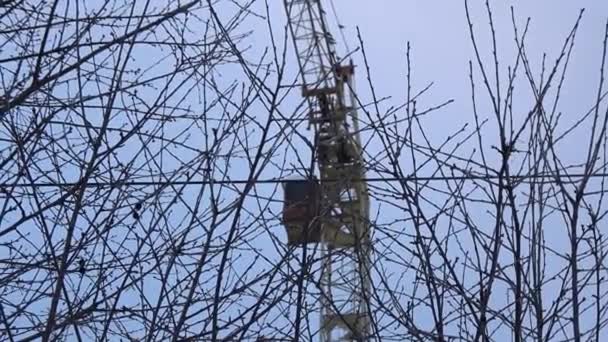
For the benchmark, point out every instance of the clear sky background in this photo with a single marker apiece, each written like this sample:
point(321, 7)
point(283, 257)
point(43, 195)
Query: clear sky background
point(440, 39)
point(441, 46)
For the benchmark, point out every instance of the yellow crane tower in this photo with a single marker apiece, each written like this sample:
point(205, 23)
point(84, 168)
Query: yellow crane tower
point(333, 210)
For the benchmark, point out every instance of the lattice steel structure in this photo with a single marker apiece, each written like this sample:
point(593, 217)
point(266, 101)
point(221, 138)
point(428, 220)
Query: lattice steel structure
point(341, 217)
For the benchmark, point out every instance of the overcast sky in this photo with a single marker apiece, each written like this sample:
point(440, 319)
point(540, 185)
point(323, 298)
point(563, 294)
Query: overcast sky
point(440, 39)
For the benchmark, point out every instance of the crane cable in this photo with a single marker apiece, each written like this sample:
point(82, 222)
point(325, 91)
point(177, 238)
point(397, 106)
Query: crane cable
point(340, 26)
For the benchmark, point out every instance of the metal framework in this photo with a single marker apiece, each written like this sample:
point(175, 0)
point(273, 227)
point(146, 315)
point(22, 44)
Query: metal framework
point(328, 86)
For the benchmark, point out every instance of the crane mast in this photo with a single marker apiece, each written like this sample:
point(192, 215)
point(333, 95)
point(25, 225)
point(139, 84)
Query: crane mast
point(340, 202)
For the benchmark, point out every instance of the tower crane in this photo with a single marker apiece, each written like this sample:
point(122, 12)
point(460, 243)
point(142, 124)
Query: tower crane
point(332, 211)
